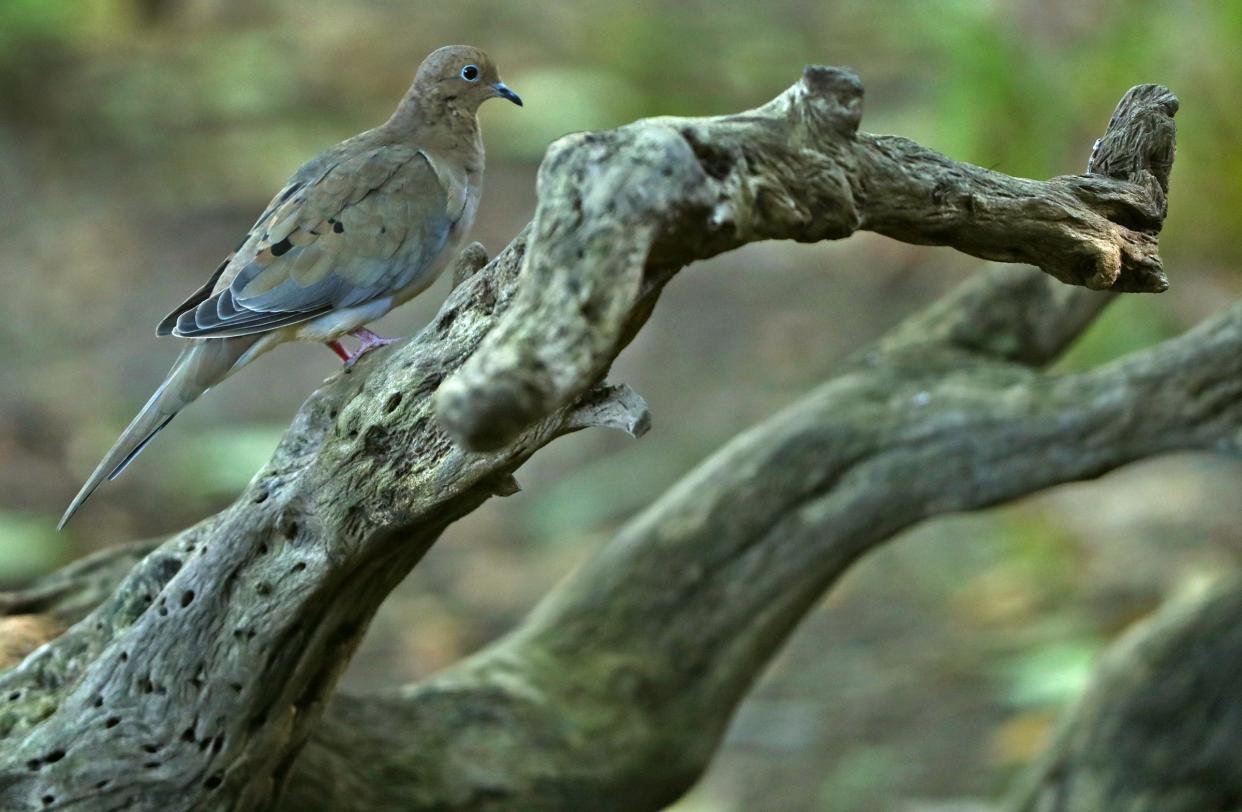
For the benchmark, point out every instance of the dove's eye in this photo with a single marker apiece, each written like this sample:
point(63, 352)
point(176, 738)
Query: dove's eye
point(470, 73)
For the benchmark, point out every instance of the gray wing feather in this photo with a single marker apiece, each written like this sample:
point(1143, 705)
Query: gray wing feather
point(306, 275)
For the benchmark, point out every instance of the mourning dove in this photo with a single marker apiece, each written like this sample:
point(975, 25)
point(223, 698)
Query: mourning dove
point(357, 231)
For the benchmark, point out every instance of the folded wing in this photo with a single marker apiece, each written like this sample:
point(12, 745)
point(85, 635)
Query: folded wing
point(346, 231)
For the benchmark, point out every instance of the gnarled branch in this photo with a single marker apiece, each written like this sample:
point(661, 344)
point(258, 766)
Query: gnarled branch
point(620, 212)
point(204, 678)
point(1160, 725)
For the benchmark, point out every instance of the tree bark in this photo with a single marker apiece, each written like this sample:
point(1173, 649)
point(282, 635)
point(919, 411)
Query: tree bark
point(205, 678)
point(1160, 725)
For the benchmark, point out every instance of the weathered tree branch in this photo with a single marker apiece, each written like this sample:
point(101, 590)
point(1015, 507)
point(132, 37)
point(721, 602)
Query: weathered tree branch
point(1159, 728)
point(616, 690)
point(200, 680)
point(620, 212)
point(32, 616)
point(68, 594)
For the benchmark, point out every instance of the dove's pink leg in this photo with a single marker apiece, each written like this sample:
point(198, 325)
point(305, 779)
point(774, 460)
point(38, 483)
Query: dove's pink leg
point(337, 348)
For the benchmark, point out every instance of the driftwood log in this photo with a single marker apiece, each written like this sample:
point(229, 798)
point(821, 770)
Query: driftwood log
point(199, 672)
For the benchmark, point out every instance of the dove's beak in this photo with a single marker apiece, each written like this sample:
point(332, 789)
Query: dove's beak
point(503, 91)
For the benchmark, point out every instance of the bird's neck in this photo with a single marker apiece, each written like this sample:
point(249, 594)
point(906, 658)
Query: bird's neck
point(435, 123)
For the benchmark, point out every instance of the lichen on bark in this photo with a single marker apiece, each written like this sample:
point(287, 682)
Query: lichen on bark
point(200, 673)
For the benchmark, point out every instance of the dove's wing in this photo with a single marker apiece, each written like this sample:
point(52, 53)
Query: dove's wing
point(350, 227)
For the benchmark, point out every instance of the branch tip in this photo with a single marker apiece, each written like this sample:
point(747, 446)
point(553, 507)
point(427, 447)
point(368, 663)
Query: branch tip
point(488, 417)
point(612, 406)
point(1141, 137)
point(840, 90)
point(469, 262)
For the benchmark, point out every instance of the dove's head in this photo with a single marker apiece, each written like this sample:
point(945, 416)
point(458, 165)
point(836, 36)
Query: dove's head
point(462, 77)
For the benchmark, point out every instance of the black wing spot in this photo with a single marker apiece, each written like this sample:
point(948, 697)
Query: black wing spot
point(281, 248)
point(290, 192)
point(338, 227)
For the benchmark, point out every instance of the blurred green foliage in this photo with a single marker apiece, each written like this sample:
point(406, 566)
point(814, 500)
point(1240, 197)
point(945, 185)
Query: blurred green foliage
point(854, 781)
point(28, 547)
point(1049, 675)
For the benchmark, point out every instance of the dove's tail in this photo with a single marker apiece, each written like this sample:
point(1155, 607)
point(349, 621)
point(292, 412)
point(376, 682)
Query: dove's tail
point(201, 365)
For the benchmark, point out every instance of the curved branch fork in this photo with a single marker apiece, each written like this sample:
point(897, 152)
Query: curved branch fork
point(196, 683)
point(621, 211)
point(199, 682)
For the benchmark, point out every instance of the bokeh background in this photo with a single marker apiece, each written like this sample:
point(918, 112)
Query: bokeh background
point(139, 139)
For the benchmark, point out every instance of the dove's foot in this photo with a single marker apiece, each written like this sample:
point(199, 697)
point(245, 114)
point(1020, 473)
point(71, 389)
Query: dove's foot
point(370, 340)
point(367, 341)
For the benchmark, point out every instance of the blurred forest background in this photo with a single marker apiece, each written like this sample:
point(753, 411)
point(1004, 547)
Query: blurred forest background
point(139, 139)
